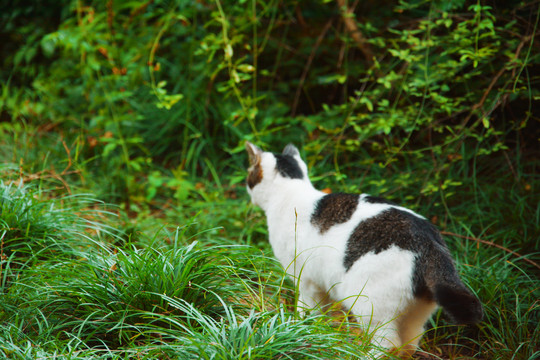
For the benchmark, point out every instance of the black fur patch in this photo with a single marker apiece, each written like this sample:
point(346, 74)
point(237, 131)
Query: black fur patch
point(333, 209)
point(420, 288)
point(377, 200)
point(405, 230)
point(288, 167)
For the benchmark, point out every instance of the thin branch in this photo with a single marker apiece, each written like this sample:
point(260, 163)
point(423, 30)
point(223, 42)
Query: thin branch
point(68, 152)
point(492, 244)
point(348, 18)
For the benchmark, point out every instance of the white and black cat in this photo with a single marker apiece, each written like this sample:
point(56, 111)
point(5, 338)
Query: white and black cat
point(384, 263)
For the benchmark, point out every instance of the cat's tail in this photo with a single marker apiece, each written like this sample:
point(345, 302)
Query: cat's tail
point(459, 303)
point(450, 293)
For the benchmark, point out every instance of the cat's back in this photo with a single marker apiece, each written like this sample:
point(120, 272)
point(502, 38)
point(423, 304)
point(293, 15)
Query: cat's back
point(365, 223)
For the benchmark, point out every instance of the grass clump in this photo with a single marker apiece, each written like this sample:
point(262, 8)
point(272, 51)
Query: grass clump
point(259, 335)
point(31, 222)
point(35, 227)
point(120, 296)
point(29, 226)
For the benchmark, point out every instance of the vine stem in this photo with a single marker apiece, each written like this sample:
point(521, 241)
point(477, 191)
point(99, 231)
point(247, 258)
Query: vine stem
point(228, 54)
point(153, 50)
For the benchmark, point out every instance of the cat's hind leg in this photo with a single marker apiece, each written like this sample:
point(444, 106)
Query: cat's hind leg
point(384, 339)
point(377, 320)
point(311, 297)
point(411, 324)
point(400, 335)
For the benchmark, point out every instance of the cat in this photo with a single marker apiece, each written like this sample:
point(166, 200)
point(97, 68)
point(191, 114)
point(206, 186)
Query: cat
point(386, 265)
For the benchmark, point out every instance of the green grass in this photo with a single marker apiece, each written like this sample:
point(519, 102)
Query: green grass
point(194, 277)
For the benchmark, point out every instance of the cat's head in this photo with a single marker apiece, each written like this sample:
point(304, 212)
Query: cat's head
point(268, 172)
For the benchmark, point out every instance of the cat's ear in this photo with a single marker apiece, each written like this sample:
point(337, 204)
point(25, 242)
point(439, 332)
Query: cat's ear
point(254, 153)
point(291, 150)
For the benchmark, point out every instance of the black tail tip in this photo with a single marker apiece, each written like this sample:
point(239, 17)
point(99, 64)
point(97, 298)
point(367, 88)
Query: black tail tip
point(463, 307)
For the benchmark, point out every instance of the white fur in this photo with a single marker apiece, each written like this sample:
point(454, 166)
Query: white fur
point(377, 289)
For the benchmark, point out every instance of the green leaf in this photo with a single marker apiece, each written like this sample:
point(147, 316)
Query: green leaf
point(109, 148)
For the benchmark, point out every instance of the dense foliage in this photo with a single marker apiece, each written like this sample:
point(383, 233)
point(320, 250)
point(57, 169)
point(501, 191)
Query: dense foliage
point(146, 105)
